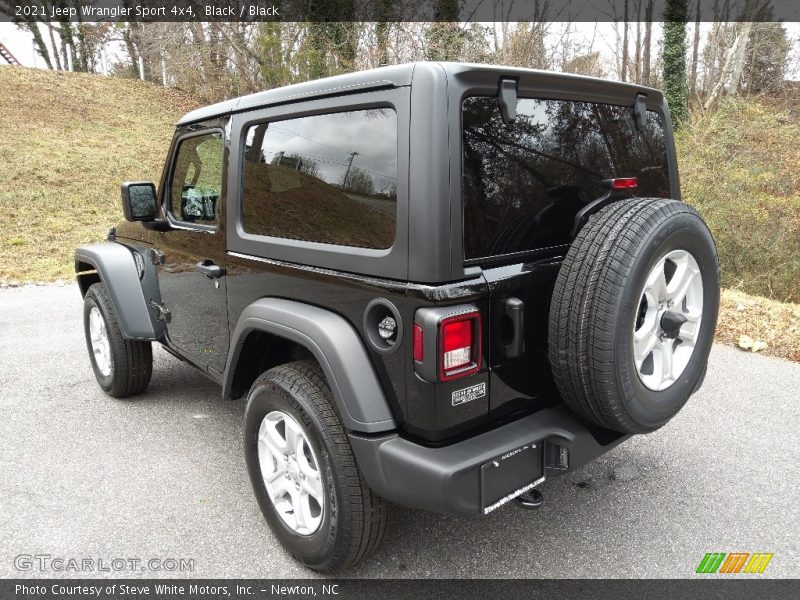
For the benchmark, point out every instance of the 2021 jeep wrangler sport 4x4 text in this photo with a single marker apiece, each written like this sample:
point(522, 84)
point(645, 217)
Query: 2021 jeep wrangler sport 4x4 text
point(435, 284)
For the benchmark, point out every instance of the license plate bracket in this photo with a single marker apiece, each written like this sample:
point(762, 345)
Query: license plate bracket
point(510, 475)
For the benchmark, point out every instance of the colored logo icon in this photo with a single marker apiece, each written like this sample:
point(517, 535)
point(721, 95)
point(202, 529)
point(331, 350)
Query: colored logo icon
point(734, 562)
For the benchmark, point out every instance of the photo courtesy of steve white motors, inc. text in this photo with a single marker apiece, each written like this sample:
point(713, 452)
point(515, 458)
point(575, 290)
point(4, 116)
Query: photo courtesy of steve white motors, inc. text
point(171, 589)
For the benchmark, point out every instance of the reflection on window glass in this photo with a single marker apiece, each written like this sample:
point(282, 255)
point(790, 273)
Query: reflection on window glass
point(197, 179)
point(143, 201)
point(524, 182)
point(323, 178)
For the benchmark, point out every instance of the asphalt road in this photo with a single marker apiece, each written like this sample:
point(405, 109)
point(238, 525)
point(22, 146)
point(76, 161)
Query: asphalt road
point(82, 475)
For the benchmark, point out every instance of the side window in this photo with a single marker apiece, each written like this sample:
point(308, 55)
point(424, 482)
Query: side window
point(323, 178)
point(196, 185)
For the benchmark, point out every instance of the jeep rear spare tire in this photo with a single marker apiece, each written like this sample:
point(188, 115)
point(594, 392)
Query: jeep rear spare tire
point(633, 314)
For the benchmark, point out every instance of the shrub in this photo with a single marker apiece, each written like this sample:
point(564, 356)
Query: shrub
point(739, 168)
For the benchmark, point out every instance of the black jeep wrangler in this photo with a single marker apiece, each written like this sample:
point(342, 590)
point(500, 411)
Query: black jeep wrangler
point(435, 285)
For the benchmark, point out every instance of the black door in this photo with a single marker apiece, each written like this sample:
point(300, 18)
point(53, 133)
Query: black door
point(192, 254)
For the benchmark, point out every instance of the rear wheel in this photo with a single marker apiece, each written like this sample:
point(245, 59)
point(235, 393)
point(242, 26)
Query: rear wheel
point(303, 472)
point(122, 367)
point(633, 314)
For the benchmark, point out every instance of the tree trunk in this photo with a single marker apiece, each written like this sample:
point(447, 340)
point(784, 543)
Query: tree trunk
point(695, 50)
point(130, 46)
point(717, 90)
point(199, 39)
point(625, 43)
point(648, 34)
point(38, 42)
point(56, 55)
point(82, 55)
point(67, 45)
point(637, 57)
point(675, 14)
point(383, 27)
point(382, 42)
point(738, 64)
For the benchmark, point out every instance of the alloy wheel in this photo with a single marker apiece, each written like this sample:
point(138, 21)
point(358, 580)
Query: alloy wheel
point(100, 344)
point(668, 320)
point(291, 474)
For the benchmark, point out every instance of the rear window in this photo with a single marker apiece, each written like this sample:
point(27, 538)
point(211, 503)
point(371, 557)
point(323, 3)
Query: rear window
point(524, 182)
point(323, 178)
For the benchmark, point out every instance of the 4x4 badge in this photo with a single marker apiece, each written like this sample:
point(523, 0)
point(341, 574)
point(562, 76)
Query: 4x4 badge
point(469, 394)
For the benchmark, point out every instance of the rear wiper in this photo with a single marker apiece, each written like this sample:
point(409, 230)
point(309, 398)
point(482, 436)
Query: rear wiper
point(540, 153)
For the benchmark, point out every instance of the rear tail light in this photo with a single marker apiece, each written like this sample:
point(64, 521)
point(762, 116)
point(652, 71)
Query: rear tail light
point(459, 346)
point(624, 183)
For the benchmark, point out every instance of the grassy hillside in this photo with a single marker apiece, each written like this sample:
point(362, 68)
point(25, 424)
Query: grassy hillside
point(740, 167)
point(67, 140)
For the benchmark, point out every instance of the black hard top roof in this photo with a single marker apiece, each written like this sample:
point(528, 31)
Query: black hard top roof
point(382, 77)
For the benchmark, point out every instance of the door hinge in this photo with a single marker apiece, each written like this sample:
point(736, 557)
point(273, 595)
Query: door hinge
point(157, 257)
point(162, 312)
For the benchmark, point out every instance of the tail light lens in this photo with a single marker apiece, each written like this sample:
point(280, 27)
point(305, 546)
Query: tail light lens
point(624, 183)
point(459, 346)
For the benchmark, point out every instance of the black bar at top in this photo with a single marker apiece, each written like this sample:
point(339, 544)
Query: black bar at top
point(382, 10)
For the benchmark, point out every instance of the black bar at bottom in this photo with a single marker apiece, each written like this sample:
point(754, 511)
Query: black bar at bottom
point(702, 587)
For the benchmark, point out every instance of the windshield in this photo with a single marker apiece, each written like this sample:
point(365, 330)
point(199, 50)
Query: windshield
point(524, 182)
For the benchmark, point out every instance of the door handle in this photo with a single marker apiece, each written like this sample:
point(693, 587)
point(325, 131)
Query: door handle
point(209, 269)
point(515, 311)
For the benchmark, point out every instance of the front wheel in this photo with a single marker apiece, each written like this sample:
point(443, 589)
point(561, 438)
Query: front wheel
point(122, 367)
point(303, 472)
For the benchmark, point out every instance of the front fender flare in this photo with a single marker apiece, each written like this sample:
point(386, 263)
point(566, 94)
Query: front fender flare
point(117, 269)
point(338, 349)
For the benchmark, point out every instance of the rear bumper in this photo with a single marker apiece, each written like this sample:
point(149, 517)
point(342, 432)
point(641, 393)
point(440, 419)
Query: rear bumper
point(448, 479)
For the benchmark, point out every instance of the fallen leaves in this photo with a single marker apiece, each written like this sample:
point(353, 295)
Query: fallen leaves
point(759, 325)
point(748, 343)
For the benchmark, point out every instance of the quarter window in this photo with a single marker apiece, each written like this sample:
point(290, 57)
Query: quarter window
point(323, 178)
point(197, 179)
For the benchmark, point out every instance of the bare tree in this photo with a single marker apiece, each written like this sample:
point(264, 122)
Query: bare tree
point(739, 55)
point(624, 73)
point(723, 73)
point(695, 51)
point(648, 34)
point(767, 59)
point(637, 57)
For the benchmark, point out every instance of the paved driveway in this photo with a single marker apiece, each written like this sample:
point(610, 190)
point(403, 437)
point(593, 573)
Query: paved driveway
point(82, 475)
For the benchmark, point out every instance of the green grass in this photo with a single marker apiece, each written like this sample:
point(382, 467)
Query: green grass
point(67, 141)
point(740, 167)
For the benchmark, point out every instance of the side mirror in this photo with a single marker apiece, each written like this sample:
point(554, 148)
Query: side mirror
point(139, 201)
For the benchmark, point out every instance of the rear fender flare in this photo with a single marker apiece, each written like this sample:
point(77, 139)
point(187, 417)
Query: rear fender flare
point(335, 345)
